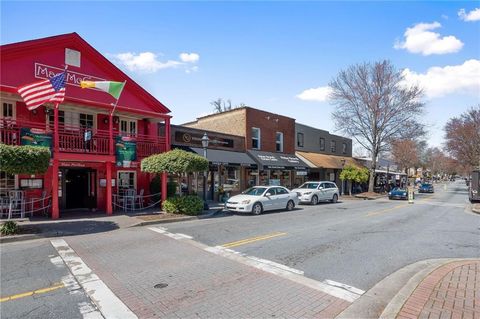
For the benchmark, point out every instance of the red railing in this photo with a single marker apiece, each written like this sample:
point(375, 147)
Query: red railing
point(72, 138)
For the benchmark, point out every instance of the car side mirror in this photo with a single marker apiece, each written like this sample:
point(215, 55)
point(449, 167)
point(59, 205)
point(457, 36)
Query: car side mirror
point(268, 194)
point(320, 187)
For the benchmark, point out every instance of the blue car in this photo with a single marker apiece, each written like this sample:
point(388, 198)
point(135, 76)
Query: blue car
point(426, 188)
point(398, 193)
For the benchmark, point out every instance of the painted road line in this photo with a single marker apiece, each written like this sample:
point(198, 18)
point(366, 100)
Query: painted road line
point(284, 272)
point(106, 301)
point(385, 210)
point(344, 286)
point(163, 231)
point(275, 264)
point(33, 292)
point(252, 240)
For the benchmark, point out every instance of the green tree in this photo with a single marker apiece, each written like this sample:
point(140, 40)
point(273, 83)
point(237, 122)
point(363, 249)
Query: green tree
point(174, 162)
point(24, 159)
point(354, 174)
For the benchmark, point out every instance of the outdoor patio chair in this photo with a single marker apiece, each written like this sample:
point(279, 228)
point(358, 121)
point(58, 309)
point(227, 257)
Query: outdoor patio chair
point(17, 204)
point(139, 198)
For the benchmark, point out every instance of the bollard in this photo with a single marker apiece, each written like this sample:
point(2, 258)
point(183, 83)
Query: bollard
point(410, 195)
point(445, 187)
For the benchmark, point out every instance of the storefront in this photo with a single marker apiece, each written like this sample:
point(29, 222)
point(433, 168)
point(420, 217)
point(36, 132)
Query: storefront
point(328, 168)
point(277, 169)
point(96, 155)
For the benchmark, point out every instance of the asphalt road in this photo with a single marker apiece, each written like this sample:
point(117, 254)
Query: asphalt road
point(36, 284)
point(355, 242)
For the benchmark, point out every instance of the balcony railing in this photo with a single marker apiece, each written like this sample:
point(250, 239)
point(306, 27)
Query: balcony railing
point(72, 139)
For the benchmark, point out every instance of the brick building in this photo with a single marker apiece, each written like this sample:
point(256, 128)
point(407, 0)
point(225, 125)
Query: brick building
point(269, 140)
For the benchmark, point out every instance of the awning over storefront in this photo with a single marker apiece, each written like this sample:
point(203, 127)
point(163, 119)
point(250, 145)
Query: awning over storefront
point(226, 158)
point(316, 160)
point(267, 160)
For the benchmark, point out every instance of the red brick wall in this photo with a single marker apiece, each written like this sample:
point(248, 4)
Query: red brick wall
point(270, 124)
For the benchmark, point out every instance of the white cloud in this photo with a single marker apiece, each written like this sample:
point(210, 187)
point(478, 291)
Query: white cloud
point(319, 94)
point(419, 39)
point(440, 81)
point(473, 15)
point(145, 62)
point(189, 57)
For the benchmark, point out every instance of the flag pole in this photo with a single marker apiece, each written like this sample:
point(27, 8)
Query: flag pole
point(56, 162)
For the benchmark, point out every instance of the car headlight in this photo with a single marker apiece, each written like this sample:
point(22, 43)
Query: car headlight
point(389, 193)
point(307, 193)
point(247, 201)
point(404, 194)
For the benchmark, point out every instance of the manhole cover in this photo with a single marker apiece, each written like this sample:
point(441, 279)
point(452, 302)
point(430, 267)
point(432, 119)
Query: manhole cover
point(162, 285)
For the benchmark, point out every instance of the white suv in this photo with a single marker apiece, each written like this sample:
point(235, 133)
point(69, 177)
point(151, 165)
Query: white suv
point(314, 192)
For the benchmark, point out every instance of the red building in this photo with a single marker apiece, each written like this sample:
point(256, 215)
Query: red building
point(87, 168)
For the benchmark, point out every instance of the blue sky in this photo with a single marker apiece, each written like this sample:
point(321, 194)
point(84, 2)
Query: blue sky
point(265, 54)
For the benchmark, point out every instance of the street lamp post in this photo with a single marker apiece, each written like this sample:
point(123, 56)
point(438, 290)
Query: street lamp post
point(343, 181)
point(205, 141)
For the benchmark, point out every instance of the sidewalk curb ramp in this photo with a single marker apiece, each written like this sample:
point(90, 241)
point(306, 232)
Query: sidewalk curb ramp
point(386, 298)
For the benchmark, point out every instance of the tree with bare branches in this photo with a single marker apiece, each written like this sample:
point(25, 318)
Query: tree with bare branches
point(463, 137)
point(375, 106)
point(405, 153)
point(220, 105)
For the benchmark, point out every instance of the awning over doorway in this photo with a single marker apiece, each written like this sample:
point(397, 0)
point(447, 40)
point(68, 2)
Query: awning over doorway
point(317, 160)
point(268, 160)
point(221, 157)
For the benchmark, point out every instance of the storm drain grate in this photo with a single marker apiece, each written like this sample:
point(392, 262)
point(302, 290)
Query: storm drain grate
point(161, 285)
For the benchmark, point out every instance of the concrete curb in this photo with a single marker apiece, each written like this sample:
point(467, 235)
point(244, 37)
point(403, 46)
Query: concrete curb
point(16, 238)
point(476, 208)
point(386, 298)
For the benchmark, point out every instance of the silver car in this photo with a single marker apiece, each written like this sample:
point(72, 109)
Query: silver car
point(262, 198)
point(314, 192)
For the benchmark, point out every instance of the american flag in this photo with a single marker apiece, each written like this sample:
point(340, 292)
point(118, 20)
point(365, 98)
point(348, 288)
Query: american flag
point(51, 90)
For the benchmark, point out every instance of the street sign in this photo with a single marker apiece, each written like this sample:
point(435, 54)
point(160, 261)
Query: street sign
point(410, 195)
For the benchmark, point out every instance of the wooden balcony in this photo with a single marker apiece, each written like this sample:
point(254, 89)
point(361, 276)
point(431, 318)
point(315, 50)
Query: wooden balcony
point(72, 139)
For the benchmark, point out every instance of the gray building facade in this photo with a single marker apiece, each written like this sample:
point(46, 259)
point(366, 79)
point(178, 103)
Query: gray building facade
point(310, 139)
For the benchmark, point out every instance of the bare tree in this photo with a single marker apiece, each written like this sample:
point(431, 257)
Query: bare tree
point(405, 153)
point(220, 105)
point(463, 137)
point(375, 106)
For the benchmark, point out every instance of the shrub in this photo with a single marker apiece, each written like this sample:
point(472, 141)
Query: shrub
point(174, 162)
point(24, 159)
point(9, 228)
point(188, 205)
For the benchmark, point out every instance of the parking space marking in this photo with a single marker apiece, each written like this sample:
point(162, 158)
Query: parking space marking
point(252, 240)
point(33, 292)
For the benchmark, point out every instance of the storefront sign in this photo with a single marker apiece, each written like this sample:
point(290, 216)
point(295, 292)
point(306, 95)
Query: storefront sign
point(301, 173)
point(43, 71)
point(72, 164)
point(103, 182)
point(125, 151)
point(196, 139)
point(35, 137)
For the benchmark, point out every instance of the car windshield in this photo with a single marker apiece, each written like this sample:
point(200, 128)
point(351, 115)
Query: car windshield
point(255, 191)
point(309, 185)
point(426, 185)
point(398, 189)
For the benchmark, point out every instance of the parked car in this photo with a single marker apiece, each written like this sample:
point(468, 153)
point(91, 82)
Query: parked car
point(474, 187)
point(231, 185)
point(314, 192)
point(262, 198)
point(426, 188)
point(399, 193)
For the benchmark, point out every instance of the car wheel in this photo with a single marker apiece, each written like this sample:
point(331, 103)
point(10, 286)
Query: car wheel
point(257, 209)
point(290, 205)
point(335, 198)
point(314, 200)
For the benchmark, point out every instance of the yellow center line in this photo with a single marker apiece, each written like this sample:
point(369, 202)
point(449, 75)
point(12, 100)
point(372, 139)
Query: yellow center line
point(397, 207)
point(252, 239)
point(33, 292)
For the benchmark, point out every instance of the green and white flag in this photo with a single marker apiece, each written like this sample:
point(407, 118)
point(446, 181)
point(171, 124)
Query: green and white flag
point(112, 88)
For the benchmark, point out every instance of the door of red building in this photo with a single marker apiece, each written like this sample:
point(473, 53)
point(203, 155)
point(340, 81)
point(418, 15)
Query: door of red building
point(79, 189)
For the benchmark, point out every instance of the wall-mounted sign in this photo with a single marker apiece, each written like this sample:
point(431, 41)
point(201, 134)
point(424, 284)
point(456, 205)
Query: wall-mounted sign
point(43, 71)
point(103, 182)
point(31, 183)
point(35, 137)
point(125, 151)
point(196, 139)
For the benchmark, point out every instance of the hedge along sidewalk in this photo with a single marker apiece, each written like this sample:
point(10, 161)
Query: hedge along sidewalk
point(98, 223)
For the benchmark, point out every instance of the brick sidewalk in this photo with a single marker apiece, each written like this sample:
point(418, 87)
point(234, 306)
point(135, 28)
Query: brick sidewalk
point(450, 291)
point(200, 284)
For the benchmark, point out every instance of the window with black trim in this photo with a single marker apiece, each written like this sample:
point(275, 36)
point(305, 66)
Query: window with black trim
point(322, 144)
point(300, 139)
point(344, 148)
point(279, 142)
point(333, 146)
point(256, 138)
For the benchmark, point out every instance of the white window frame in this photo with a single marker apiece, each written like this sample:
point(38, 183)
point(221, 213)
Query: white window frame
point(259, 138)
point(129, 126)
point(15, 179)
point(14, 109)
point(126, 171)
point(277, 134)
point(303, 139)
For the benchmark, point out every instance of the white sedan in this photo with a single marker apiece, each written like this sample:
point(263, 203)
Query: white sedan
point(313, 192)
point(262, 198)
